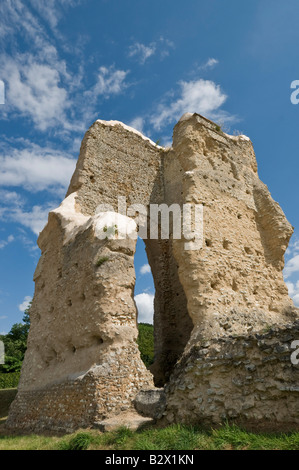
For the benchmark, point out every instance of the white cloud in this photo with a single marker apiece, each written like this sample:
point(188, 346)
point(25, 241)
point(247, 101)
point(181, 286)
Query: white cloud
point(200, 96)
point(291, 270)
point(51, 11)
point(17, 17)
point(109, 82)
point(25, 304)
point(33, 89)
point(4, 243)
point(3, 318)
point(209, 64)
point(39, 86)
point(36, 168)
point(145, 269)
point(9, 198)
point(293, 289)
point(145, 306)
point(138, 124)
point(293, 247)
point(142, 52)
point(292, 266)
point(12, 209)
point(35, 219)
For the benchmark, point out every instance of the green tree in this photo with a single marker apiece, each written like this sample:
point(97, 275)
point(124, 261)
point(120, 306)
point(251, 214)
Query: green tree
point(15, 343)
point(146, 343)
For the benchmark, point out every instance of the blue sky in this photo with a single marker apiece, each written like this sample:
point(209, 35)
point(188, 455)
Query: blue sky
point(66, 63)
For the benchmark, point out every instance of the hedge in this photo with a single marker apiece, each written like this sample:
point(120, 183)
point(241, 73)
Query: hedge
point(10, 380)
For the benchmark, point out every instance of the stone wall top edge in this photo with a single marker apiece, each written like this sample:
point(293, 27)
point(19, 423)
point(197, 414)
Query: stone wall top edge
point(211, 125)
point(129, 129)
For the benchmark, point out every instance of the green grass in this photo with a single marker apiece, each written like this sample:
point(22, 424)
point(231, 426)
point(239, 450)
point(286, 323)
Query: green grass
point(174, 437)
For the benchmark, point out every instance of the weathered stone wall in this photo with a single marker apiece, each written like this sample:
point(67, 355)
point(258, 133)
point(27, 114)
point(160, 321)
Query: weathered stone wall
point(235, 283)
point(248, 379)
point(83, 364)
point(234, 287)
point(82, 350)
point(82, 359)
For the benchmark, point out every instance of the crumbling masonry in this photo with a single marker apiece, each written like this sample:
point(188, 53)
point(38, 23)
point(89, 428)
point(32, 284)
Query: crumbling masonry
point(224, 323)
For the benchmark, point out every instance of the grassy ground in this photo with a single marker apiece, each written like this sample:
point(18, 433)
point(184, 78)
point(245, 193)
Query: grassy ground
point(170, 438)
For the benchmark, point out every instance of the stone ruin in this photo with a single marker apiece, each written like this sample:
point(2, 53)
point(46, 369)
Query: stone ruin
point(224, 323)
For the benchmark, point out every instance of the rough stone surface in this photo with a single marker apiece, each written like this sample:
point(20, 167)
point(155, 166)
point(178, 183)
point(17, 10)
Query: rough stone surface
point(151, 403)
point(83, 366)
point(248, 379)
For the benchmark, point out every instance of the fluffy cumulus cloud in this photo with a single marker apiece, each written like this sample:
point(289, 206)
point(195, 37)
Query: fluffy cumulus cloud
point(145, 269)
point(36, 168)
point(13, 209)
point(292, 266)
point(35, 219)
point(293, 288)
point(291, 270)
point(145, 306)
point(33, 90)
point(36, 81)
point(25, 304)
point(199, 96)
point(39, 86)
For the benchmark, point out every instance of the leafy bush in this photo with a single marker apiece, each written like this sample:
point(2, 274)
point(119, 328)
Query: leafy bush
point(9, 380)
point(15, 343)
point(146, 343)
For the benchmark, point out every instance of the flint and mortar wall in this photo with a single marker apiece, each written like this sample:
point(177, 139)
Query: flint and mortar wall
point(248, 380)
